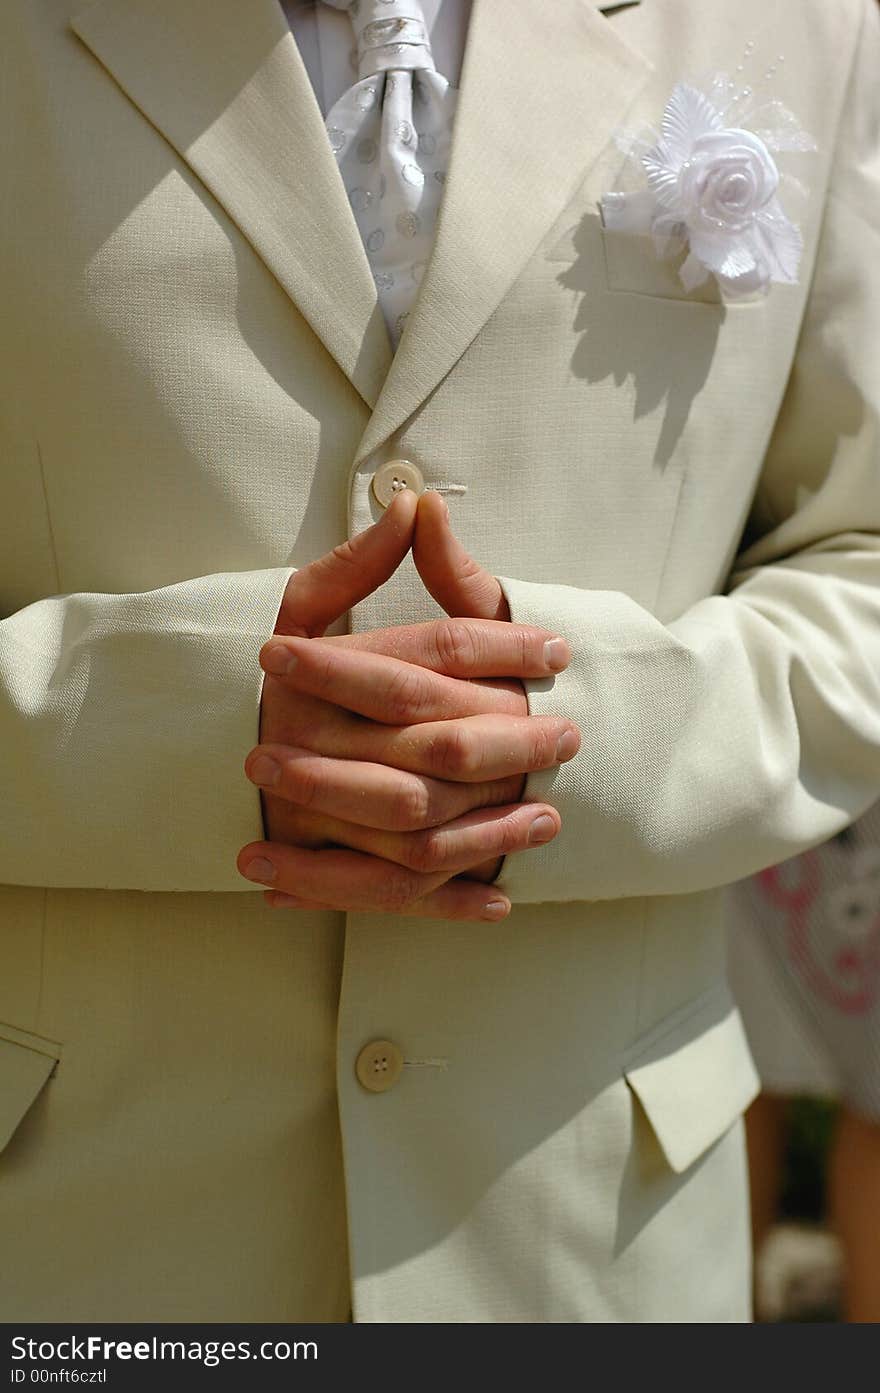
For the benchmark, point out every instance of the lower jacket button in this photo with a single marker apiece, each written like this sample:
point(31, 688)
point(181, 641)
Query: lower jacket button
point(379, 1065)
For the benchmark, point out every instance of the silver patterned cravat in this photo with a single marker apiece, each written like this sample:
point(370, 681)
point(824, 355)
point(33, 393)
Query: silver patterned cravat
point(391, 134)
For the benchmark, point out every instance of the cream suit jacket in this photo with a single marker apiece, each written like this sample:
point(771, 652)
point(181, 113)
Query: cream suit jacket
point(197, 389)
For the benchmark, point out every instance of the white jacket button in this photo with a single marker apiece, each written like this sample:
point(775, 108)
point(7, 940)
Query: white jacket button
point(379, 1065)
point(397, 474)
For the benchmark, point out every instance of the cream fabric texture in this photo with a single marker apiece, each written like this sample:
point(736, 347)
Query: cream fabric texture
point(197, 386)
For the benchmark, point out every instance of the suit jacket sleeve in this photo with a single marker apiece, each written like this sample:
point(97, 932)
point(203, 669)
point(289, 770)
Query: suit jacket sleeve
point(124, 723)
point(747, 729)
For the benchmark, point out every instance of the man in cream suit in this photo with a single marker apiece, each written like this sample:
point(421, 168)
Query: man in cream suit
point(385, 1099)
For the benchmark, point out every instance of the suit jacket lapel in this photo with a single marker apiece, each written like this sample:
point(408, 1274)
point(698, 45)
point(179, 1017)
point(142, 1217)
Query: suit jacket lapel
point(224, 82)
point(543, 88)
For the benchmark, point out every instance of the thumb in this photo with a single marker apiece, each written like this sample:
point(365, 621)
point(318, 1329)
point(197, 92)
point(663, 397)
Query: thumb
point(324, 590)
point(457, 582)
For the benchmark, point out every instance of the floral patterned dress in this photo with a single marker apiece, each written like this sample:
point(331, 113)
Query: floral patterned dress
point(804, 945)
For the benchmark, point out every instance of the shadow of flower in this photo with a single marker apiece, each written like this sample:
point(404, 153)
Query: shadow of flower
point(664, 342)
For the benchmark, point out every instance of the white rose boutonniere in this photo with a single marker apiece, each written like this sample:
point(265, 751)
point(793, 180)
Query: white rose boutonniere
point(712, 186)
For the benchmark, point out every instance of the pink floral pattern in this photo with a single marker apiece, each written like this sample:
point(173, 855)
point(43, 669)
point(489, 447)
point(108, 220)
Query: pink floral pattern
point(830, 900)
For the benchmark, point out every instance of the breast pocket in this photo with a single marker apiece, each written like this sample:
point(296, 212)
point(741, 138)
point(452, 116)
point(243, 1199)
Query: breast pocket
point(633, 266)
point(626, 263)
point(27, 1062)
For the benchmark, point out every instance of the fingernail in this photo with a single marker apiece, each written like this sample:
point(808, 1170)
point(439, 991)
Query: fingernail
point(282, 901)
point(543, 829)
point(265, 771)
point(496, 909)
point(278, 660)
point(556, 654)
point(260, 870)
point(567, 747)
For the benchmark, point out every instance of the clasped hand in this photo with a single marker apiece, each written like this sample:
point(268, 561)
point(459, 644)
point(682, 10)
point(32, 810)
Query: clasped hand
point(392, 763)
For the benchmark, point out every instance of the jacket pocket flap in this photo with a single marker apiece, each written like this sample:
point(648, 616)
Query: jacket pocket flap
point(694, 1076)
point(26, 1062)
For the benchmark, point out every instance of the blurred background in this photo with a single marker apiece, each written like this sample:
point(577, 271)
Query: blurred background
point(799, 1267)
point(804, 958)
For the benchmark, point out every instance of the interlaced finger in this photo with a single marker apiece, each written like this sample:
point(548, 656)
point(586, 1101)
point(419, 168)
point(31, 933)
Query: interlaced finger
point(371, 795)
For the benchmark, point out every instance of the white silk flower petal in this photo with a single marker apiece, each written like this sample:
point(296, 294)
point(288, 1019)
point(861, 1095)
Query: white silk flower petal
point(721, 254)
point(781, 243)
point(688, 115)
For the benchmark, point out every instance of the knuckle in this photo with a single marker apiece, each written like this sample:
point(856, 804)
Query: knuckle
point(303, 782)
point(510, 835)
point(411, 806)
point(443, 802)
point(457, 646)
point(454, 753)
point(541, 749)
point(400, 889)
point(323, 664)
point(345, 553)
point(424, 852)
point(406, 693)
